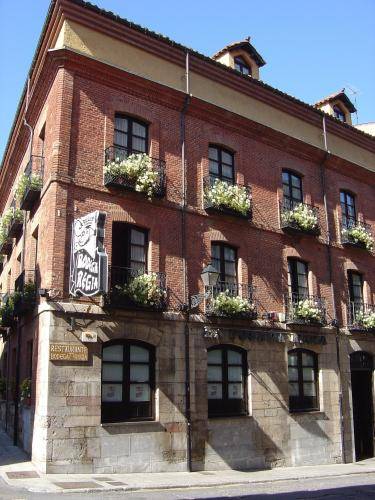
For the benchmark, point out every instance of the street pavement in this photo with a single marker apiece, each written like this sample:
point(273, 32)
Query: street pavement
point(20, 480)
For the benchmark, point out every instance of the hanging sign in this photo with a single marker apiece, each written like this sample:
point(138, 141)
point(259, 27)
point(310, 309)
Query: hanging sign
point(89, 261)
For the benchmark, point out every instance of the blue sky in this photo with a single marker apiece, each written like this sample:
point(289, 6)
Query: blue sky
point(312, 47)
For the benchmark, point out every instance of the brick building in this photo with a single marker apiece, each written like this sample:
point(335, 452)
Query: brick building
point(186, 160)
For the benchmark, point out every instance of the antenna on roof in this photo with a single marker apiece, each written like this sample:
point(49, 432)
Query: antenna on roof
point(354, 92)
point(248, 38)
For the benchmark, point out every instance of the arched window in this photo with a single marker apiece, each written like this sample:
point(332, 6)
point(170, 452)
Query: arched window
point(292, 187)
point(241, 66)
point(303, 380)
point(226, 381)
point(130, 134)
point(221, 164)
point(348, 210)
point(339, 113)
point(128, 381)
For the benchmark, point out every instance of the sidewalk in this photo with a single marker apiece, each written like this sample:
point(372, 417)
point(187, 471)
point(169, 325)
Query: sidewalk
point(18, 471)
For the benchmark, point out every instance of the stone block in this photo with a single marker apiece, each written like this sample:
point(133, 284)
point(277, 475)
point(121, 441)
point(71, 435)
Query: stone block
point(115, 446)
point(81, 421)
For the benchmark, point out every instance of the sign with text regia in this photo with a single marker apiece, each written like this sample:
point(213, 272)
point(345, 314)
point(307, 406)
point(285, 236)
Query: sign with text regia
point(89, 261)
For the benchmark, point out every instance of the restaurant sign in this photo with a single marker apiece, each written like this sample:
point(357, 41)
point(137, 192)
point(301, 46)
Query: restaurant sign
point(89, 261)
point(68, 352)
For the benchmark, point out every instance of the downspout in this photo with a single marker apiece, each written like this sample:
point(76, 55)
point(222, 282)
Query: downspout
point(184, 267)
point(330, 271)
point(22, 266)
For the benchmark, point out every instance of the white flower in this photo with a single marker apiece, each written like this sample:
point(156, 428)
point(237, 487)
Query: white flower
point(307, 309)
point(359, 234)
point(144, 290)
point(303, 215)
point(366, 319)
point(229, 305)
point(137, 169)
point(223, 194)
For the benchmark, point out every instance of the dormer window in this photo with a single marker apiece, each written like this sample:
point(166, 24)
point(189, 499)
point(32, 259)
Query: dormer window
point(339, 114)
point(241, 66)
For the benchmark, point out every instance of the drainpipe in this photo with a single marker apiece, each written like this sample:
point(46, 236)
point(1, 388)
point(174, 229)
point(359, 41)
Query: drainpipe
point(22, 266)
point(184, 267)
point(330, 271)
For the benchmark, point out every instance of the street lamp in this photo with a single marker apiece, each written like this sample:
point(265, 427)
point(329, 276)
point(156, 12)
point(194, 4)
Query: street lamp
point(209, 276)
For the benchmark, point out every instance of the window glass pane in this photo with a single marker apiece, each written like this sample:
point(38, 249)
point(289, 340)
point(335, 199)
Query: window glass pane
point(139, 129)
point(137, 253)
point(139, 145)
point(226, 158)
point(139, 392)
point(139, 354)
point(229, 254)
point(307, 359)
point(111, 393)
point(293, 389)
point(214, 356)
point(285, 177)
point(235, 391)
point(214, 167)
point(227, 172)
point(292, 359)
point(113, 353)
point(112, 372)
point(342, 197)
point(234, 358)
point(296, 181)
point(214, 391)
point(301, 267)
point(296, 194)
point(137, 237)
point(139, 373)
point(309, 389)
point(214, 373)
point(286, 190)
point(121, 139)
point(213, 154)
point(230, 268)
point(235, 374)
point(308, 374)
point(121, 123)
point(293, 374)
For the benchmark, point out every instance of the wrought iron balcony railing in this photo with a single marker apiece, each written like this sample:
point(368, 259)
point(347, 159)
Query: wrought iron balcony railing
point(137, 180)
point(25, 292)
point(6, 247)
point(136, 288)
point(231, 199)
point(32, 183)
point(305, 309)
point(230, 300)
point(298, 217)
point(361, 316)
point(16, 224)
point(357, 234)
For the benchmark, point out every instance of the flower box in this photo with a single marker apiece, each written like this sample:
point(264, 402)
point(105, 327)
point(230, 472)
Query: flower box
point(358, 235)
point(230, 300)
point(309, 310)
point(231, 199)
point(136, 172)
point(300, 217)
point(15, 228)
point(6, 247)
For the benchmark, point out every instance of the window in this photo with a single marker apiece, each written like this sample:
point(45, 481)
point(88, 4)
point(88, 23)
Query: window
point(226, 381)
point(355, 287)
point(129, 246)
point(131, 134)
point(303, 380)
point(298, 278)
point(348, 212)
point(224, 259)
point(241, 66)
point(339, 113)
point(128, 377)
point(292, 187)
point(221, 164)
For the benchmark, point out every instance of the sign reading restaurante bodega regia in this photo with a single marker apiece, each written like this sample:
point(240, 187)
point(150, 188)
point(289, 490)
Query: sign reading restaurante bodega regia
point(68, 352)
point(89, 261)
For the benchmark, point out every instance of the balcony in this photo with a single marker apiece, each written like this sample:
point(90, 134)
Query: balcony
point(6, 246)
point(304, 309)
point(15, 226)
point(31, 183)
point(25, 292)
point(230, 199)
point(230, 300)
point(136, 289)
point(134, 171)
point(298, 217)
point(361, 317)
point(357, 234)
point(7, 317)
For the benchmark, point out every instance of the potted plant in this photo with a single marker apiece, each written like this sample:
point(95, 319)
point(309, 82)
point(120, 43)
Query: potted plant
point(307, 310)
point(25, 391)
point(136, 171)
point(366, 319)
point(359, 235)
point(28, 189)
point(143, 290)
point(302, 216)
point(7, 312)
point(16, 221)
point(223, 196)
point(225, 304)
